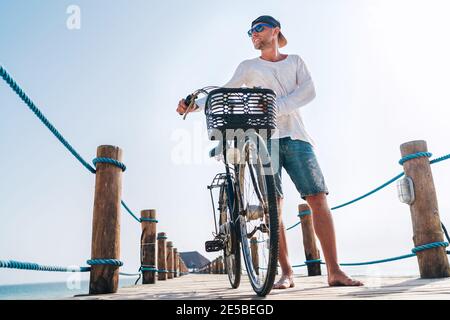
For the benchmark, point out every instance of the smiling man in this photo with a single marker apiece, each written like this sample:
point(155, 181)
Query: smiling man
point(288, 76)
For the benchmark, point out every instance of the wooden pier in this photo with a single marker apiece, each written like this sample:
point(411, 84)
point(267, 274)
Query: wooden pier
point(217, 287)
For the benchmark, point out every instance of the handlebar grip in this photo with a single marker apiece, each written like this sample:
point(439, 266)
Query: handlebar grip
point(188, 99)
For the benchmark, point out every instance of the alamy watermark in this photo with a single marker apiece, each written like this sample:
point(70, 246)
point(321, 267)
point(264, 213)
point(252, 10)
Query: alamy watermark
point(235, 146)
point(73, 21)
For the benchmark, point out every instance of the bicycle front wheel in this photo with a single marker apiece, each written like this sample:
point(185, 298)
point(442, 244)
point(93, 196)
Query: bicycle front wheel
point(259, 231)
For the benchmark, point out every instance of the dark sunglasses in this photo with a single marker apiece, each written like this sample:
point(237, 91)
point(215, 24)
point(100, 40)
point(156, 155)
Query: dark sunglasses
point(258, 28)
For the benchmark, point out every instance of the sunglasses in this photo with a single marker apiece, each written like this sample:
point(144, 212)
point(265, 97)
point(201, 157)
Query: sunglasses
point(258, 28)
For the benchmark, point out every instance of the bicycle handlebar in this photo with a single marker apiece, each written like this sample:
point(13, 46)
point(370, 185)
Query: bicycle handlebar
point(190, 99)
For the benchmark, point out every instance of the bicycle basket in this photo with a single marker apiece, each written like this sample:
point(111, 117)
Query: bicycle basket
point(241, 108)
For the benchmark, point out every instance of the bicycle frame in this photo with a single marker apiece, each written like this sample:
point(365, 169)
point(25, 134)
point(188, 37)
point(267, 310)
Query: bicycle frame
point(227, 179)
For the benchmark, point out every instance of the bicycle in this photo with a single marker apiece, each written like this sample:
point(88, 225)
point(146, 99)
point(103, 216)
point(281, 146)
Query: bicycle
point(247, 207)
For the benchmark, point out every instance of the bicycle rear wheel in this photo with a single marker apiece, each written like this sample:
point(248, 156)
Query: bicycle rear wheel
point(259, 231)
point(231, 251)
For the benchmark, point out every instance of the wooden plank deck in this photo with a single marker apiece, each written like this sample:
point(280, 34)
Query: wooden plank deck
point(207, 287)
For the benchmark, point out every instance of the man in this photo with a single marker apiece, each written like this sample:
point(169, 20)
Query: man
point(288, 76)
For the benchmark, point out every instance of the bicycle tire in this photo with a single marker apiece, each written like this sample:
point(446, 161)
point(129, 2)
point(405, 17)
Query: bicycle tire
point(262, 286)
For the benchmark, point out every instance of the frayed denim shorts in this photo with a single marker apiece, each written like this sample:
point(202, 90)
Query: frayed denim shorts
point(297, 157)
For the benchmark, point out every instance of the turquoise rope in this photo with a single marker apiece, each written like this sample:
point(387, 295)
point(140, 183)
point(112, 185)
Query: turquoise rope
point(313, 261)
point(429, 246)
point(113, 262)
point(10, 81)
point(148, 269)
point(414, 250)
point(304, 213)
point(370, 192)
point(293, 226)
point(23, 96)
point(129, 274)
point(414, 156)
point(161, 238)
point(110, 161)
point(129, 211)
point(447, 156)
point(149, 220)
point(409, 157)
point(12, 264)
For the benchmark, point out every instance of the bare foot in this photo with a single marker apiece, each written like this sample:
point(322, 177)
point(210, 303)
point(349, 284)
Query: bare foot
point(286, 281)
point(341, 279)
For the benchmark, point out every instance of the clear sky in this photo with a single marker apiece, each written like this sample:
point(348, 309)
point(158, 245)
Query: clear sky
point(381, 74)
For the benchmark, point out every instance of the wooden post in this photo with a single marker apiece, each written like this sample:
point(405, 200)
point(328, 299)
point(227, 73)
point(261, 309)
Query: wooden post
point(106, 222)
point(181, 270)
point(209, 268)
point(162, 267)
point(255, 257)
point(148, 246)
point(175, 268)
point(433, 263)
point(309, 240)
point(170, 260)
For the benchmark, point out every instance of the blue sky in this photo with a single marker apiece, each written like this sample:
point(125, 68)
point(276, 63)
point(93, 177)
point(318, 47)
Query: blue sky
point(380, 69)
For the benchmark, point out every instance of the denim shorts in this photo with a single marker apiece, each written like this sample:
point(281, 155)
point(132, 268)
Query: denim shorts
point(298, 159)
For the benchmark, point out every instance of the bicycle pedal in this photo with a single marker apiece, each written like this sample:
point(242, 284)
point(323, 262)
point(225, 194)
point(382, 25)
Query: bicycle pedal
point(214, 245)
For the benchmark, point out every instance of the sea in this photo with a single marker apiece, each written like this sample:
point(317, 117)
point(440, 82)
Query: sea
point(52, 291)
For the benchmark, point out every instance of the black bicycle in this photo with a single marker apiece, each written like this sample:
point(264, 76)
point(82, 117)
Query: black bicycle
point(242, 120)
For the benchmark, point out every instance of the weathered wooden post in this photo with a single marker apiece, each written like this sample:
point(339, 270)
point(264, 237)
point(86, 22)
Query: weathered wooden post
point(105, 247)
point(209, 268)
point(180, 266)
point(254, 250)
point(183, 268)
point(433, 263)
point(148, 246)
point(175, 268)
point(170, 260)
point(312, 252)
point(162, 268)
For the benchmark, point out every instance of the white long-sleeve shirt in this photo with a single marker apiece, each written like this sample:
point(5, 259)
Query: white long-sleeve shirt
point(292, 83)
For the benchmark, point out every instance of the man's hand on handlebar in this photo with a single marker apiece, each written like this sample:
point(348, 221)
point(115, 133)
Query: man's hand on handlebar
point(188, 104)
point(182, 107)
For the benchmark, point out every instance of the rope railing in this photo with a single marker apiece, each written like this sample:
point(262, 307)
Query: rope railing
point(32, 106)
point(445, 157)
point(413, 254)
point(12, 264)
point(308, 228)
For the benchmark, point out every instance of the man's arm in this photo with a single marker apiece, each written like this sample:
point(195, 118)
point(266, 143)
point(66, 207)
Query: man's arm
point(236, 81)
point(303, 94)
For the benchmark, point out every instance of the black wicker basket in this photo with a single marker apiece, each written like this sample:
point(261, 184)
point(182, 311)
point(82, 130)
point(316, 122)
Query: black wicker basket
point(241, 108)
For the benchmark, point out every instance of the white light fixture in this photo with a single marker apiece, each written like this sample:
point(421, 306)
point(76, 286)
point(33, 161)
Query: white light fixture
point(405, 190)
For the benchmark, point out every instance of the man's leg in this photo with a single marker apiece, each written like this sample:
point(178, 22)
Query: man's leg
point(286, 280)
point(324, 229)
